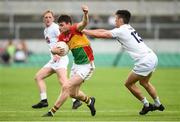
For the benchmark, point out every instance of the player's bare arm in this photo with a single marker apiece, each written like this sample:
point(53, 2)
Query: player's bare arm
point(85, 19)
point(99, 33)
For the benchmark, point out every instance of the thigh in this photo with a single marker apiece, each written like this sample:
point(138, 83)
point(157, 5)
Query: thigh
point(44, 72)
point(133, 78)
point(145, 79)
point(62, 75)
point(76, 80)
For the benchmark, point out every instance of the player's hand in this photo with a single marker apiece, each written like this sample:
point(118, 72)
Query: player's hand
point(58, 51)
point(61, 52)
point(85, 9)
point(84, 31)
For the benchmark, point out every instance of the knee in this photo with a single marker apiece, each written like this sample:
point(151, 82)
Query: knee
point(127, 84)
point(73, 94)
point(37, 78)
point(144, 84)
point(62, 81)
point(65, 87)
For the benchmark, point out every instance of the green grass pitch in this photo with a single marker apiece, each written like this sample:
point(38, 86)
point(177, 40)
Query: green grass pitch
point(114, 102)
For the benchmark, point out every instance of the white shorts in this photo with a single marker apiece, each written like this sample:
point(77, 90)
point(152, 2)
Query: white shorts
point(85, 71)
point(146, 65)
point(62, 63)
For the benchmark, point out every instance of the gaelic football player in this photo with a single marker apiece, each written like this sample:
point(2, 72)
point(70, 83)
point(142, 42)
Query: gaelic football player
point(83, 65)
point(145, 60)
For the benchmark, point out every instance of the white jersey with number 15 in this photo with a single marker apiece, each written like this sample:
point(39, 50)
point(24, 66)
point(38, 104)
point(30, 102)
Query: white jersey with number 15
point(131, 41)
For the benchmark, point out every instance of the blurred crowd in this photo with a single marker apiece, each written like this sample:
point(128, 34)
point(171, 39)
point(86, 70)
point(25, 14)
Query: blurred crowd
point(13, 51)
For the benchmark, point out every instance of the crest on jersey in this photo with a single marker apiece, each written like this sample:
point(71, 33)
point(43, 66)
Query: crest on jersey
point(47, 39)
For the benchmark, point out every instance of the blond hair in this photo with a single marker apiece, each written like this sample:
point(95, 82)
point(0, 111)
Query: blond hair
point(48, 11)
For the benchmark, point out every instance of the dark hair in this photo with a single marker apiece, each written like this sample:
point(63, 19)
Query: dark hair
point(124, 14)
point(65, 18)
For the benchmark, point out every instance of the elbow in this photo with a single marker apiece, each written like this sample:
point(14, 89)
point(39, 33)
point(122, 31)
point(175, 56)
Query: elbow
point(85, 23)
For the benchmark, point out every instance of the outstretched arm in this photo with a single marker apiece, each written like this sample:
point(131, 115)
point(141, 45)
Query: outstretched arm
point(85, 19)
point(98, 33)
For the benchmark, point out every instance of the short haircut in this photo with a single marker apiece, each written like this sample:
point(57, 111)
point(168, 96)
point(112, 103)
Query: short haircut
point(48, 11)
point(65, 18)
point(124, 14)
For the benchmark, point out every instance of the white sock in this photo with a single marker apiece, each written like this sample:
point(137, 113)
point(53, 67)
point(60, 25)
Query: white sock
point(157, 102)
point(145, 102)
point(89, 102)
point(43, 95)
point(73, 99)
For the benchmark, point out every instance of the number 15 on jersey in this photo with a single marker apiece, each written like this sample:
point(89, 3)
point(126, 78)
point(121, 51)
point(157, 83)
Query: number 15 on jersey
point(136, 36)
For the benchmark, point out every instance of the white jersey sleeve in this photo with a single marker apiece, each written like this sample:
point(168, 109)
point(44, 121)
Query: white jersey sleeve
point(131, 41)
point(116, 32)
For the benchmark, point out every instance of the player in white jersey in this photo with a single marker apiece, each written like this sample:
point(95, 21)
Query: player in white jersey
point(145, 59)
point(56, 64)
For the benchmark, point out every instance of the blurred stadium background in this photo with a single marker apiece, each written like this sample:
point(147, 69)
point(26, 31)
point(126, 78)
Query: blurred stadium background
point(156, 21)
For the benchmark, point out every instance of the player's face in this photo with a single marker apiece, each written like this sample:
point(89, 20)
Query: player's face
point(64, 27)
point(118, 21)
point(48, 19)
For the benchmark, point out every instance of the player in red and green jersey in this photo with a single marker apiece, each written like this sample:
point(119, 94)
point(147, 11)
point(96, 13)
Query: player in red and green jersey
point(83, 65)
point(77, 42)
